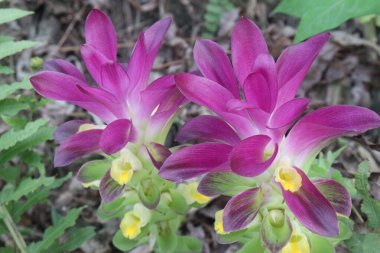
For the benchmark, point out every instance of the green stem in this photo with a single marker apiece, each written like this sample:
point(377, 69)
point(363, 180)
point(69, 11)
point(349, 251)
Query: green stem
point(17, 237)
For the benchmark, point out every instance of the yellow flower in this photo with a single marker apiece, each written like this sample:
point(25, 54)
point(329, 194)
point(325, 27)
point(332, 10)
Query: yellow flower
point(191, 193)
point(134, 220)
point(218, 225)
point(289, 178)
point(297, 244)
point(88, 126)
point(122, 168)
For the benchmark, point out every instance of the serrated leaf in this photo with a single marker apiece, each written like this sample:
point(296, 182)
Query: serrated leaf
point(12, 137)
point(39, 196)
point(6, 90)
point(27, 186)
point(371, 208)
point(54, 232)
point(6, 70)
point(361, 179)
point(10, 14)
point(75, 238)
point(363, 243)
point(13, 47)
point(43, 134)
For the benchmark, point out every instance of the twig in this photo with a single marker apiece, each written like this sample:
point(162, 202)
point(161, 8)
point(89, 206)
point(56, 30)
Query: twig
point(9, 223)
point(70, 28)
point(357, 214)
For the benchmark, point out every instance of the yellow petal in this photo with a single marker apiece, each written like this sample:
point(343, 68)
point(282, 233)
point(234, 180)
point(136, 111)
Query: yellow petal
point(297, 244)
point(218, 225)
point(288, 177)
point(121, 171)
point(87, 126)
point(130, 226)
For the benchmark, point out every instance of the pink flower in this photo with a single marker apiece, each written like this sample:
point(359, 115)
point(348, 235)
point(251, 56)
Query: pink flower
point(249, 138)
point(121, 96)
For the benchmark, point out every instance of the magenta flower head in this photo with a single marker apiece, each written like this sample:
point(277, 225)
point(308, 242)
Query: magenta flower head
point(246, 153)
point(132, 110)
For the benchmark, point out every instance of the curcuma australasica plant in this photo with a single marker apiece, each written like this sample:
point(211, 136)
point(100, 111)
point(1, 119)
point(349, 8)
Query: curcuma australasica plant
point(137, 117)
point(256, 151)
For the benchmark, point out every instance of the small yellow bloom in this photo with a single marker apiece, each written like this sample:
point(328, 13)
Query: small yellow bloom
point(87, 126)
point(288, 177)
point(297, 244)
point(130, 226)
point(122, 168)
point(191, 193)
point(134, 220)
point(218, 225)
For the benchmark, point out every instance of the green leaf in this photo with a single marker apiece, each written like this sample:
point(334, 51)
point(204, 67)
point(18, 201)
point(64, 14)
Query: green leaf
point(9, 174)
point(361, 179)
point(93, 171)
point(149, 193)
point(6, 250)
point(4, 38)
point(294, 8)
point(320, 244)
point(363, 243)
point(371, 208)
point(75, 238)
point(124, 244)
point(54, 232)
point(188, 244)
point(253, 245)
point(12, 137)
point(43, 134)
point(6, 90)
point(10, 14)
point(322, 15)
point(166, 237)
point(6, 70)
point(11, 107)
point(37, 197)
point(14, 47)
point(27, 186)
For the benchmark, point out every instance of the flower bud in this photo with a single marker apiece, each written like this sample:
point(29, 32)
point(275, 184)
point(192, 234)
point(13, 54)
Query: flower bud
point(276, 218)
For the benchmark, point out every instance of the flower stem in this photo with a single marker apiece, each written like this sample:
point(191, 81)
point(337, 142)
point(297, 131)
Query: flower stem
point(17, 237)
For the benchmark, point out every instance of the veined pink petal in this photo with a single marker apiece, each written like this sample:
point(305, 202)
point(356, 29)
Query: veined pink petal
point(196, 160)
point(204, 91)
point(94, 60)
point(116, 135)
point(247, 157)
point(336, 194)
point(214, 64)
point(294, 63)
point(77, 146)
point(145, 52)
point(260, 87)
point(247, 43)
point(114, 79)
point(64, 67)
point(55, 85)
point(311, 208)
point(242, 209)
point(67, 129)
point(315, 130)
point(101, 34)
point(288, 113)
point(207, 128)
